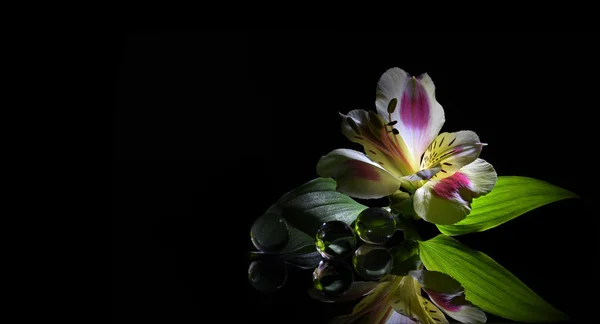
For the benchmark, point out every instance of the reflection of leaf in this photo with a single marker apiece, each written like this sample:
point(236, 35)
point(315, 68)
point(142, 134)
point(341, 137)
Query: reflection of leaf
point(305, 261)
point(511, 197)
point(305, 209)
point(406, 258)
point(407, 265)
point(487, 284)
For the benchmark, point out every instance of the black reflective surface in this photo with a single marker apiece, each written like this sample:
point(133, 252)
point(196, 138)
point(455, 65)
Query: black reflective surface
point(209, 128)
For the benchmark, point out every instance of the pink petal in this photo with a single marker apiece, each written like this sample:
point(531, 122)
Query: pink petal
point(448, 201)
point(420, 117)
point(356, 175)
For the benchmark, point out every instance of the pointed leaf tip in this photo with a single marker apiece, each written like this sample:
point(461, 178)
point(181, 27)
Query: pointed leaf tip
point(512, 196)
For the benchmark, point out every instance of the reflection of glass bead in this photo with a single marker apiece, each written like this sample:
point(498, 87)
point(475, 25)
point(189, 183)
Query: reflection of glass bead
point(268, 274)
point(372, 262)
point(375, 225)
point(335, 239)
point(270, 233)
point(333, 277)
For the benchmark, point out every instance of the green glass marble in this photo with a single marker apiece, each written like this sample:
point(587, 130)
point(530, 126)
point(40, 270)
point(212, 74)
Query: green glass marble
point(333, 278)
point(270, 233)
point(335, 239)
point(268, 274)
point(375, 225)
point(372, 262)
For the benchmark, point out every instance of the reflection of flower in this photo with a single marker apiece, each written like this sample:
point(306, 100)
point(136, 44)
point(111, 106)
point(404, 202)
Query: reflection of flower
point(403, 148)
point(398, 299)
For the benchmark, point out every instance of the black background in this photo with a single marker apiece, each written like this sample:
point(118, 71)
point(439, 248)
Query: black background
point(210, 127)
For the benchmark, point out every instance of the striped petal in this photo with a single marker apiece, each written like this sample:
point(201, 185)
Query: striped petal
point(381, 144)
point(406, 300)
point(357, 175)
point(449, 295)
point(374, 308)
point(448, 200)
point(451, 151)
point(411, 102)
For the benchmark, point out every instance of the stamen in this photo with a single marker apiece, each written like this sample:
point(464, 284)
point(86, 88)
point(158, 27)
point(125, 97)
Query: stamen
point(395, 131)
point(392, 106)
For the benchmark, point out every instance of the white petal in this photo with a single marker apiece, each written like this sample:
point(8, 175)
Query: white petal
point(420, 117)
point(482, 175)
point(448, 201)
point(356, 175)
point(396, 318)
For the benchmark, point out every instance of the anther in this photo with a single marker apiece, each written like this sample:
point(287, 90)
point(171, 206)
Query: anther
point(392, 105)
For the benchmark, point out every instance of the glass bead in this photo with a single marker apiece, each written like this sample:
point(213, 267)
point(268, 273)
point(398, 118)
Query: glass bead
point(372, 262)
point(270, 233)
point(375, 225)
point(268, 274)
point(335, 239)
point(333, 278)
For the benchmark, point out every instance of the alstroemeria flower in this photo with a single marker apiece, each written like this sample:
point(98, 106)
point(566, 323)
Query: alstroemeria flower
point(398, 299)
point(403, 148)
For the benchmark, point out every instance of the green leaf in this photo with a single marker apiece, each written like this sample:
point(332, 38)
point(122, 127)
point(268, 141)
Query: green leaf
point(299, 242)
point(304, 210)
point(511, 197)
point(487, 284)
